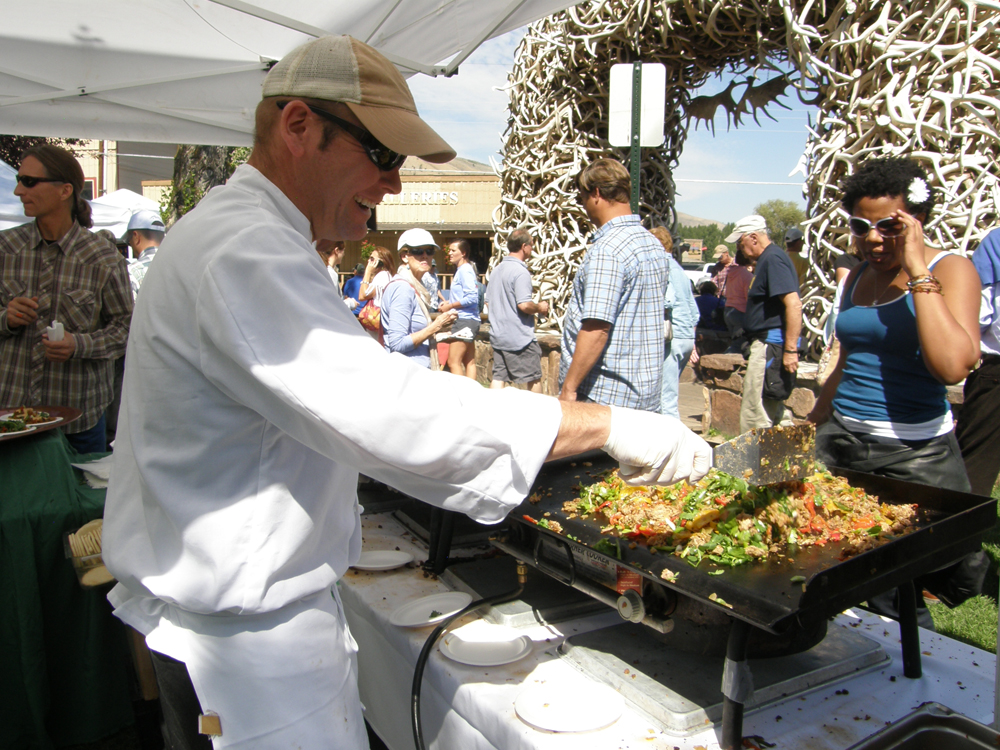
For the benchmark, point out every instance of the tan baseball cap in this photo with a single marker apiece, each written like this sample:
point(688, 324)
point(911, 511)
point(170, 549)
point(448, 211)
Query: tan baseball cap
point(342, 69)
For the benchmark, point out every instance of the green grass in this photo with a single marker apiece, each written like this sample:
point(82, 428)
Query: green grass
point(975, 621)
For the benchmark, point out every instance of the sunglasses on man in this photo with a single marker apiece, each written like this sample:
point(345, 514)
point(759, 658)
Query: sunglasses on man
point(420, 252)
point(29, 182)
point(381, 156)
point(887, 227)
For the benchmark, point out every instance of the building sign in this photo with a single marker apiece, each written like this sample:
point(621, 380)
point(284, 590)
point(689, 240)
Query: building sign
point(422, 198)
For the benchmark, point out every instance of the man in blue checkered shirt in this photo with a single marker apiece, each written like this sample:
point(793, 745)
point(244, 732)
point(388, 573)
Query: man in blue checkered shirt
point(612, 346)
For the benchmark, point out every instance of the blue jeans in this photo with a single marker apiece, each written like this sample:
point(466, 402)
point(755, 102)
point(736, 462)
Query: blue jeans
point(94, 440)
point(675, 357)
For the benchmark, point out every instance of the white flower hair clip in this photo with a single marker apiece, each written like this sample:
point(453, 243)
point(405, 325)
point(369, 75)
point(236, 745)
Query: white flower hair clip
point(918, 192)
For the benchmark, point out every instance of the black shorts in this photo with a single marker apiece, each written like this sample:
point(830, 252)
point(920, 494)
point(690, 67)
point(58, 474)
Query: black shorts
point(524, 366)
point(471, 323)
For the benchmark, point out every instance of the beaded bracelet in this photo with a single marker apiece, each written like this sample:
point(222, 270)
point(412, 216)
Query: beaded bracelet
point(925, 279)
point(926, 283)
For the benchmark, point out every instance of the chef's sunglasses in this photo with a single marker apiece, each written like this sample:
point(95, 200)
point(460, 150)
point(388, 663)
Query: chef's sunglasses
point(29, 182)
point(887, 227)
point(420, 252)
point(382, 157)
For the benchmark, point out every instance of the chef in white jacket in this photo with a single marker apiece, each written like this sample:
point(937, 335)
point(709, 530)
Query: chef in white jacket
point(232, 508)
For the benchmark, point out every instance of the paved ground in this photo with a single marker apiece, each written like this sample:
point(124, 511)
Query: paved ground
point(691, 404)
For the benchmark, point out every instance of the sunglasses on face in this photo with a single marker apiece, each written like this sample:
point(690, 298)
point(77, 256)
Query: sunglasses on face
point(29, 182)
point(381, 156)
point(420, 252)
point(887, 227)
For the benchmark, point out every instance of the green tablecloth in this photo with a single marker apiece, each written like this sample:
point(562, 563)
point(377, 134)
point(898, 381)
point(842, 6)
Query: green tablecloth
point(63, 655)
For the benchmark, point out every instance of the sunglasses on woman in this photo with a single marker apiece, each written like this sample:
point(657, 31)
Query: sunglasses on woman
point(29, 182)
point(420, 252)
point(381, 156)
point(887, 227)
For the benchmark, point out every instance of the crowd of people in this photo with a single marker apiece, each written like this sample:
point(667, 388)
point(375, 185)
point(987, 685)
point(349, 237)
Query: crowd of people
point(232, 509)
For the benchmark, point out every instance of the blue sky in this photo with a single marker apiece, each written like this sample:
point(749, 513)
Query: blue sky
point(470, 112)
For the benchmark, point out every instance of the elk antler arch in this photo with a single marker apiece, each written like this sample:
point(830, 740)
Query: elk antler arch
point(888, 77)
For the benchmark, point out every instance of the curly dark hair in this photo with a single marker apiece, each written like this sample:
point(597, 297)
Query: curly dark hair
point(889, 176)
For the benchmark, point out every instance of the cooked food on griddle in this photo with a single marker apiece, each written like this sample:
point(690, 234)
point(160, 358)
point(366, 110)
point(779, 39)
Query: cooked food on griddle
point(727, 521)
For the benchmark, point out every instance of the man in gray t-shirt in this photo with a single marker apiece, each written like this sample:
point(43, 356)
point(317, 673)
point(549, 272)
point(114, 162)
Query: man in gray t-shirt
point(516, 354)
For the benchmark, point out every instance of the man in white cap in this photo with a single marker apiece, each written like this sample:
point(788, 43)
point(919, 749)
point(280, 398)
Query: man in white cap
point(421, 238)
point(144, 234)
point(232, 509)
point(772, 322)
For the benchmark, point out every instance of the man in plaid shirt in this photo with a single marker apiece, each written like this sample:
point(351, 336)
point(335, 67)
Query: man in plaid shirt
point(54, 269)
point(612, 346)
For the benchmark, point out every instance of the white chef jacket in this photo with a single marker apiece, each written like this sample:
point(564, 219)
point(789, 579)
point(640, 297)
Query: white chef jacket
point(252, 399)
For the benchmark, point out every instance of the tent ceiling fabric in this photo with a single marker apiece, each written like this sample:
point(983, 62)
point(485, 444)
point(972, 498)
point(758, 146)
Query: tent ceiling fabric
point(190, 71)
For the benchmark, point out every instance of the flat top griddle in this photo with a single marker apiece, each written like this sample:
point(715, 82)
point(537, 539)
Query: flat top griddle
point(762, 593)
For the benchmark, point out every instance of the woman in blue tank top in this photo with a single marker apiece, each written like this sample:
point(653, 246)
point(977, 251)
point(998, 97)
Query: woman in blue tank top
point(908, 325)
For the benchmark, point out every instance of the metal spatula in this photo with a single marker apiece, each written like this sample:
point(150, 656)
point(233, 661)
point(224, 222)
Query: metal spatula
point(767, 456)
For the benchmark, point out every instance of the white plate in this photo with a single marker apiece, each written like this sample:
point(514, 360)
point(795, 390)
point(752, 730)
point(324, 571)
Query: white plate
point(6, 415)
point(569, 708)
point(420, 612)
point(382, 559)
point(485, 653)
point(27, 428)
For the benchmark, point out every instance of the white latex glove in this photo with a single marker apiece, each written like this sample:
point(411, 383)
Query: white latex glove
point(655, 449)
point(350, 302)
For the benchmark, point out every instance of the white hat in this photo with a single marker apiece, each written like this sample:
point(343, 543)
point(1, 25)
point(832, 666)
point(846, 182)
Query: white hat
point(416, 238)
point(145, 219)
point(342, 69)
point(751, 223)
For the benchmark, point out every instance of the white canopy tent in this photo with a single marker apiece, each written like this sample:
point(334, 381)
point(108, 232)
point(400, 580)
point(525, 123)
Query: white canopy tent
point(190, 71)
point(11, 211)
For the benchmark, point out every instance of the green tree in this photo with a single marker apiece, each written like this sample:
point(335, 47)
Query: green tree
point(12, 146)
point(780, 217)
point(710, 234)
point(197, 169)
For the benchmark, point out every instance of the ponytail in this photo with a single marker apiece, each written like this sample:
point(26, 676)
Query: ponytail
point(81, 210)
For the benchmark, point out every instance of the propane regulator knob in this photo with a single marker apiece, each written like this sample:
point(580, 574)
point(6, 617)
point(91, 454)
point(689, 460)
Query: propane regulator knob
point(630, 606)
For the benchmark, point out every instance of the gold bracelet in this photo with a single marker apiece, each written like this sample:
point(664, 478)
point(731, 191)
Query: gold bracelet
point(928, 288)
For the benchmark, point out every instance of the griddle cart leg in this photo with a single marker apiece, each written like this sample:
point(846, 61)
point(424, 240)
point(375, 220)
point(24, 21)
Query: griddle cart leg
point(909, 632)
point(736, 685)
point(442, 528)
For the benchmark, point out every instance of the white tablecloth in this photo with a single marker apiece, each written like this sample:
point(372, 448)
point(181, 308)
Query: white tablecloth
point(472, 708)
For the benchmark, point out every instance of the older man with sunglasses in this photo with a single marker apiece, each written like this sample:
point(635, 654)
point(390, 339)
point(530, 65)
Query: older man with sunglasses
point(233, 509)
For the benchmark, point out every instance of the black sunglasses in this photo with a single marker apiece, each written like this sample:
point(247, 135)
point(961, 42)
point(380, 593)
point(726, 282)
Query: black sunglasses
point(29, 182)
point(382, 157)
point(887, 227)
point(420, 252)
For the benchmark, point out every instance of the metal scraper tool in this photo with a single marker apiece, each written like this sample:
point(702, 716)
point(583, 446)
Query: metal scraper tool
point(769, 455)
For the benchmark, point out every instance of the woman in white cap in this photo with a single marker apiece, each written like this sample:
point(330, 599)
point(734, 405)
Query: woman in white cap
point(407, 327)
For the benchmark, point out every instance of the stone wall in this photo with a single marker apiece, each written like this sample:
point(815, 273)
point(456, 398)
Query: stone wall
point(550, 361)
point(722, 378)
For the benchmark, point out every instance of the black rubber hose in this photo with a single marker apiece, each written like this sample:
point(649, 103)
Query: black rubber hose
point(425, 652)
